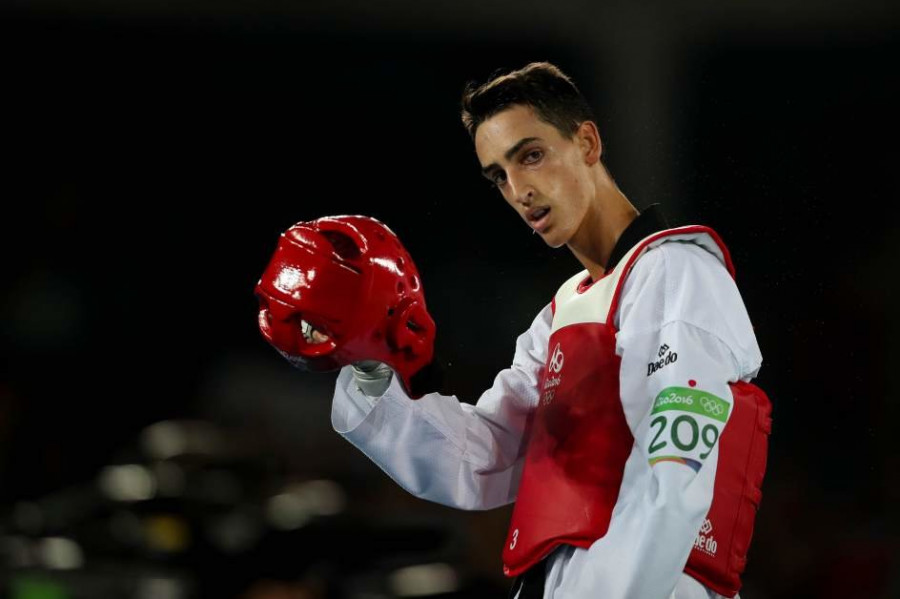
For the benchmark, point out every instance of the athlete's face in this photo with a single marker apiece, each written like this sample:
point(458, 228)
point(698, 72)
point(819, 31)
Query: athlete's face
point(541, 174)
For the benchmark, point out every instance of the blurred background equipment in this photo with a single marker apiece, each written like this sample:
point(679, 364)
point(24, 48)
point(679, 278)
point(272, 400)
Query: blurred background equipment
point(153, 445)
point(239, 518)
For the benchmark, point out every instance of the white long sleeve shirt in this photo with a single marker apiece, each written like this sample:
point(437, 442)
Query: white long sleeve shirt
point(471, 456)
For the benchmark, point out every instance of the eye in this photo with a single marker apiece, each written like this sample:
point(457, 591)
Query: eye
point(498, 178)
point(532, 156)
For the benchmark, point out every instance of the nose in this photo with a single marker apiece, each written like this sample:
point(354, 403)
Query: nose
point(521, 191)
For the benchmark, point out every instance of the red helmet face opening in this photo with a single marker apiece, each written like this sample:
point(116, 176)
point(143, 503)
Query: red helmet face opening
point(343, 289)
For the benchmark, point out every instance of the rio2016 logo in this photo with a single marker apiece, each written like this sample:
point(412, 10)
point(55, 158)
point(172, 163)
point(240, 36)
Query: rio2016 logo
point(556, 360)
point(554, 365)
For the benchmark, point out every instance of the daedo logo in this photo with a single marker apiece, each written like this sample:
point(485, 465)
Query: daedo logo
point(669, 358)
point(705, 540)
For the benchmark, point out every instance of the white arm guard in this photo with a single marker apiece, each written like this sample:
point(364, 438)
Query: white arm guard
point(372, 377)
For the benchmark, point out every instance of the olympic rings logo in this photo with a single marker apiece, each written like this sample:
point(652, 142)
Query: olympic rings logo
point(556, 360)
point(711, 406)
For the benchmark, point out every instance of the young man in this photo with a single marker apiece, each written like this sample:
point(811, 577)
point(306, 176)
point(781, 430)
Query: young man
point(625, 430)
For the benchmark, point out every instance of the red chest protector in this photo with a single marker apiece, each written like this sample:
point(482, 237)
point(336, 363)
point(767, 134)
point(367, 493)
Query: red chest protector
point(580, 439)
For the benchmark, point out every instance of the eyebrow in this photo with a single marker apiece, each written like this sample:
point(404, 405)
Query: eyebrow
point(509, 154)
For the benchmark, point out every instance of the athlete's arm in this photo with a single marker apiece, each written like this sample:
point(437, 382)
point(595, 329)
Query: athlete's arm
point(437, 448)
point(684, 335)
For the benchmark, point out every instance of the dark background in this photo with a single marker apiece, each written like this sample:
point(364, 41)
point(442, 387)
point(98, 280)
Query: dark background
point(153, 154)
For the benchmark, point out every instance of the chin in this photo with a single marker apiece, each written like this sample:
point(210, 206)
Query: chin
point(554, 241)
point(556, 245)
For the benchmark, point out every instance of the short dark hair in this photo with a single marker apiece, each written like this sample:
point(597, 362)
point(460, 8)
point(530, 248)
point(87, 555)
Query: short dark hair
point(540, 85)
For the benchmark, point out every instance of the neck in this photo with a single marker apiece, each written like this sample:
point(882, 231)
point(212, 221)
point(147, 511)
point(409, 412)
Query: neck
point(608, 215)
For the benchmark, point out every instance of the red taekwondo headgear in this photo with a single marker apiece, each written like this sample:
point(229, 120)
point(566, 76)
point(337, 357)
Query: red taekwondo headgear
point(342, 289)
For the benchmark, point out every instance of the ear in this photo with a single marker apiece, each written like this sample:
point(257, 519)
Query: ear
point(588, 138)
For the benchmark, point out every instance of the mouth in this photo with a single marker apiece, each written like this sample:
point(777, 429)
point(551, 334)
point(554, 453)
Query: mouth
point(312, 335)
point(538, 218)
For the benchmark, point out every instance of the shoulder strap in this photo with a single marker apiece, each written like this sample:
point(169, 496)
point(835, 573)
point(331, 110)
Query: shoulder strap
point(703, 236)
